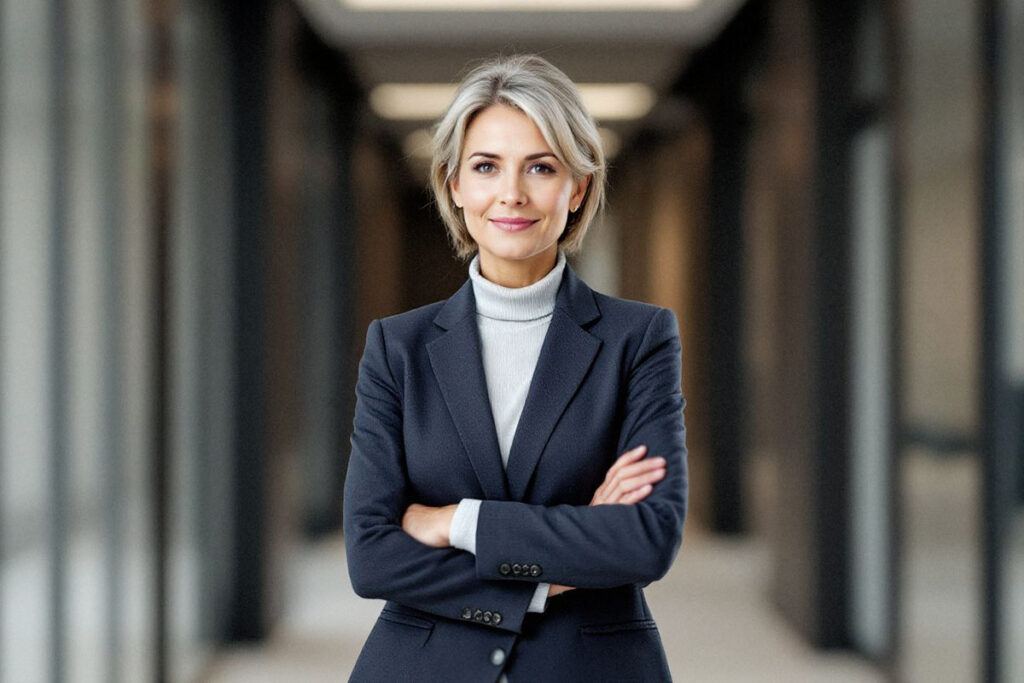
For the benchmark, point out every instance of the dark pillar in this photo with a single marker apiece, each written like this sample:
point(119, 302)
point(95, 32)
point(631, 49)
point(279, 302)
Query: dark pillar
point(819, 114)
point(329, 255)
point(163, 118)
point(718, 79)
point(59, 484)
point(1002, 394)
point(248, 42)
point(834, 36)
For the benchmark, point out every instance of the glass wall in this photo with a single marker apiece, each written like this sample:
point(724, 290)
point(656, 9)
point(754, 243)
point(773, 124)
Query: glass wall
point(26, 181)
point(1003, 339)
point(75, 502)
point(940, 478)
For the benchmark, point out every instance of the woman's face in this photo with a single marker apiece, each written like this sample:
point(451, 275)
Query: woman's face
point(515, 195)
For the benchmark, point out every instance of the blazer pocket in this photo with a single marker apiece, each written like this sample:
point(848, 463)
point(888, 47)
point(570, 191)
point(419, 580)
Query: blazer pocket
point(623, 651)
point(407, 619)
point(394, 649)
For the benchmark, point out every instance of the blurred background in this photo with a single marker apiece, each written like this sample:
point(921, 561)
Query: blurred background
point(204, 203)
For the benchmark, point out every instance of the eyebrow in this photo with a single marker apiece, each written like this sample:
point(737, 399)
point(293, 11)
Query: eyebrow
point(531, 157)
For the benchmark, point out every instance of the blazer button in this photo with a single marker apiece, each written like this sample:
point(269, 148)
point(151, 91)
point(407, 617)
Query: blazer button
point(498, 657)
point(496, 618)
point(467, 613)
point(478, 615)
point(487, 617)
point(535, 570)
point(505, 568)
point(517, 569)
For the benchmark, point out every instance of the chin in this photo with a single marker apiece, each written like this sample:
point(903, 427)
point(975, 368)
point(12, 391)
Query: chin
point(516, 254)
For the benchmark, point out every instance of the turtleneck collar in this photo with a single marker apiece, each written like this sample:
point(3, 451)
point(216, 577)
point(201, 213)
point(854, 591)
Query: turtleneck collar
point(520, 304)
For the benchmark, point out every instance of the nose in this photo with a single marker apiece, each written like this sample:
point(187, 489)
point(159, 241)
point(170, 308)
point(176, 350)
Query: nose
point(512, 193)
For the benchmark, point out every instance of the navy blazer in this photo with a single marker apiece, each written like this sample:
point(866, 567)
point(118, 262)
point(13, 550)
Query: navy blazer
point(607, 379)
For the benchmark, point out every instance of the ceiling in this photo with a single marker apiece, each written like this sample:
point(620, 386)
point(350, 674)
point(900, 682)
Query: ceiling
point(606, 46)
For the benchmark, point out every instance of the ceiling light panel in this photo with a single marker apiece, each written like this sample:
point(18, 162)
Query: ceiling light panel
point(518, 5)
point(411, 101)
point(427, 101)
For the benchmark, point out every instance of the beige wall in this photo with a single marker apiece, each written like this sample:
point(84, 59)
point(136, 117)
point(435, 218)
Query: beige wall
point(941, 208)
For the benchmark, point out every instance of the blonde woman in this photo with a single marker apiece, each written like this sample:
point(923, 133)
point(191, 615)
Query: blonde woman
point(518, 466)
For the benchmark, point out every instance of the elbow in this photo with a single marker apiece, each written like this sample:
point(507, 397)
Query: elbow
point(365, 580)
point(363, 585)
point(658, 563)
point(361, 581)
point(664, 558)
point(664, 546)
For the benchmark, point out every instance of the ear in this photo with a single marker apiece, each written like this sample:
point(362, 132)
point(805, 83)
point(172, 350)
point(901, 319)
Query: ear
point(579, 192)
point(453, 186)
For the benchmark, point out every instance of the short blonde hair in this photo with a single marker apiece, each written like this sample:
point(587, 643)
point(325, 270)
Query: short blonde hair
point(534, 86)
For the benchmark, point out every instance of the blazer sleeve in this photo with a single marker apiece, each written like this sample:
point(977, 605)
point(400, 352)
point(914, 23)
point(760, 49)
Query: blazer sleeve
point(606, 545)
point(385, 562)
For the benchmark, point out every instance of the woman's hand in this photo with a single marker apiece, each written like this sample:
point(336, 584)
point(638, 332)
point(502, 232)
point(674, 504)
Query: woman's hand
point(556, 589)
point(630, 479)
point(429, 525)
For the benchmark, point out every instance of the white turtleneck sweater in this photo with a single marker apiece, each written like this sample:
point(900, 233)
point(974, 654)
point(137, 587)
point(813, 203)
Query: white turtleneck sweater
point(512, 324)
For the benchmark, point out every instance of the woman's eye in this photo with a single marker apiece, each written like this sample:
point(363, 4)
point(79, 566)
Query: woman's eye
point(483, 167)
point(541, 168)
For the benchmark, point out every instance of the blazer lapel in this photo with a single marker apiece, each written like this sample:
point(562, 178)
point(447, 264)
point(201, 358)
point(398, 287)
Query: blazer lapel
point(458, 365)
point(565, 358)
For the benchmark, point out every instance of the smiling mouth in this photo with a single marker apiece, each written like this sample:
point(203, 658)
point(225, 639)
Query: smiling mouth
point(512, 224)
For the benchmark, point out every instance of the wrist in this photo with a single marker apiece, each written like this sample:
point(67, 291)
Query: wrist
point(446, 514)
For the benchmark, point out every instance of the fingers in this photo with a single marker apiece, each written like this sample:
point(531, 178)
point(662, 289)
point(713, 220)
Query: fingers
point(626, 459)
point(636, 495)
point(631, 472)
point(630, 479)
point(622, 461)
point(655, 473)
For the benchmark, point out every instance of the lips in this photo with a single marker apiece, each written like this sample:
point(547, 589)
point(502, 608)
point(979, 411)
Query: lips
point(512, 224)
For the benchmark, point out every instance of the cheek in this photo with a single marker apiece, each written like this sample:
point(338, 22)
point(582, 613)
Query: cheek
point(561, 197)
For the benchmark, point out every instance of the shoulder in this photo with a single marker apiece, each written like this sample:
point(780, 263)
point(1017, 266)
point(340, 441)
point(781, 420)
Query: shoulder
point(636, 316)
point(399, 332)
point(401, 324)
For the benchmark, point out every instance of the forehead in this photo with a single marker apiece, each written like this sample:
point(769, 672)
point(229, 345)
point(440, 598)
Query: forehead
point(501, 129)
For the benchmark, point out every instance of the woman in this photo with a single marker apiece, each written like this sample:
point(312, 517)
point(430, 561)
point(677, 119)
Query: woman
point(484, 499)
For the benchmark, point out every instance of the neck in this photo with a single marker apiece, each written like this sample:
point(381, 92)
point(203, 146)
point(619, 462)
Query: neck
point(515, 274)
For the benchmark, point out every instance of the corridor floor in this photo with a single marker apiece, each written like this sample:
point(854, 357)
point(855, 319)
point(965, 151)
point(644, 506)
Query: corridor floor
point(715, 617)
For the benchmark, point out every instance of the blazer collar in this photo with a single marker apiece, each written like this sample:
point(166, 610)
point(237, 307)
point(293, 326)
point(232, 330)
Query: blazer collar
point(457, 363)
point(573, 295)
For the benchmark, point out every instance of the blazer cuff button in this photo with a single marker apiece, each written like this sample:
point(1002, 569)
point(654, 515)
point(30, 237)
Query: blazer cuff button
point(517, 569)
point(467, 613)
point(504, 569)
point(496, 618)
point(535, 570)
point(478, 615)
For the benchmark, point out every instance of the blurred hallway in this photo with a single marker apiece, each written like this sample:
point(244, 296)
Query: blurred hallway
point(204, 203)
